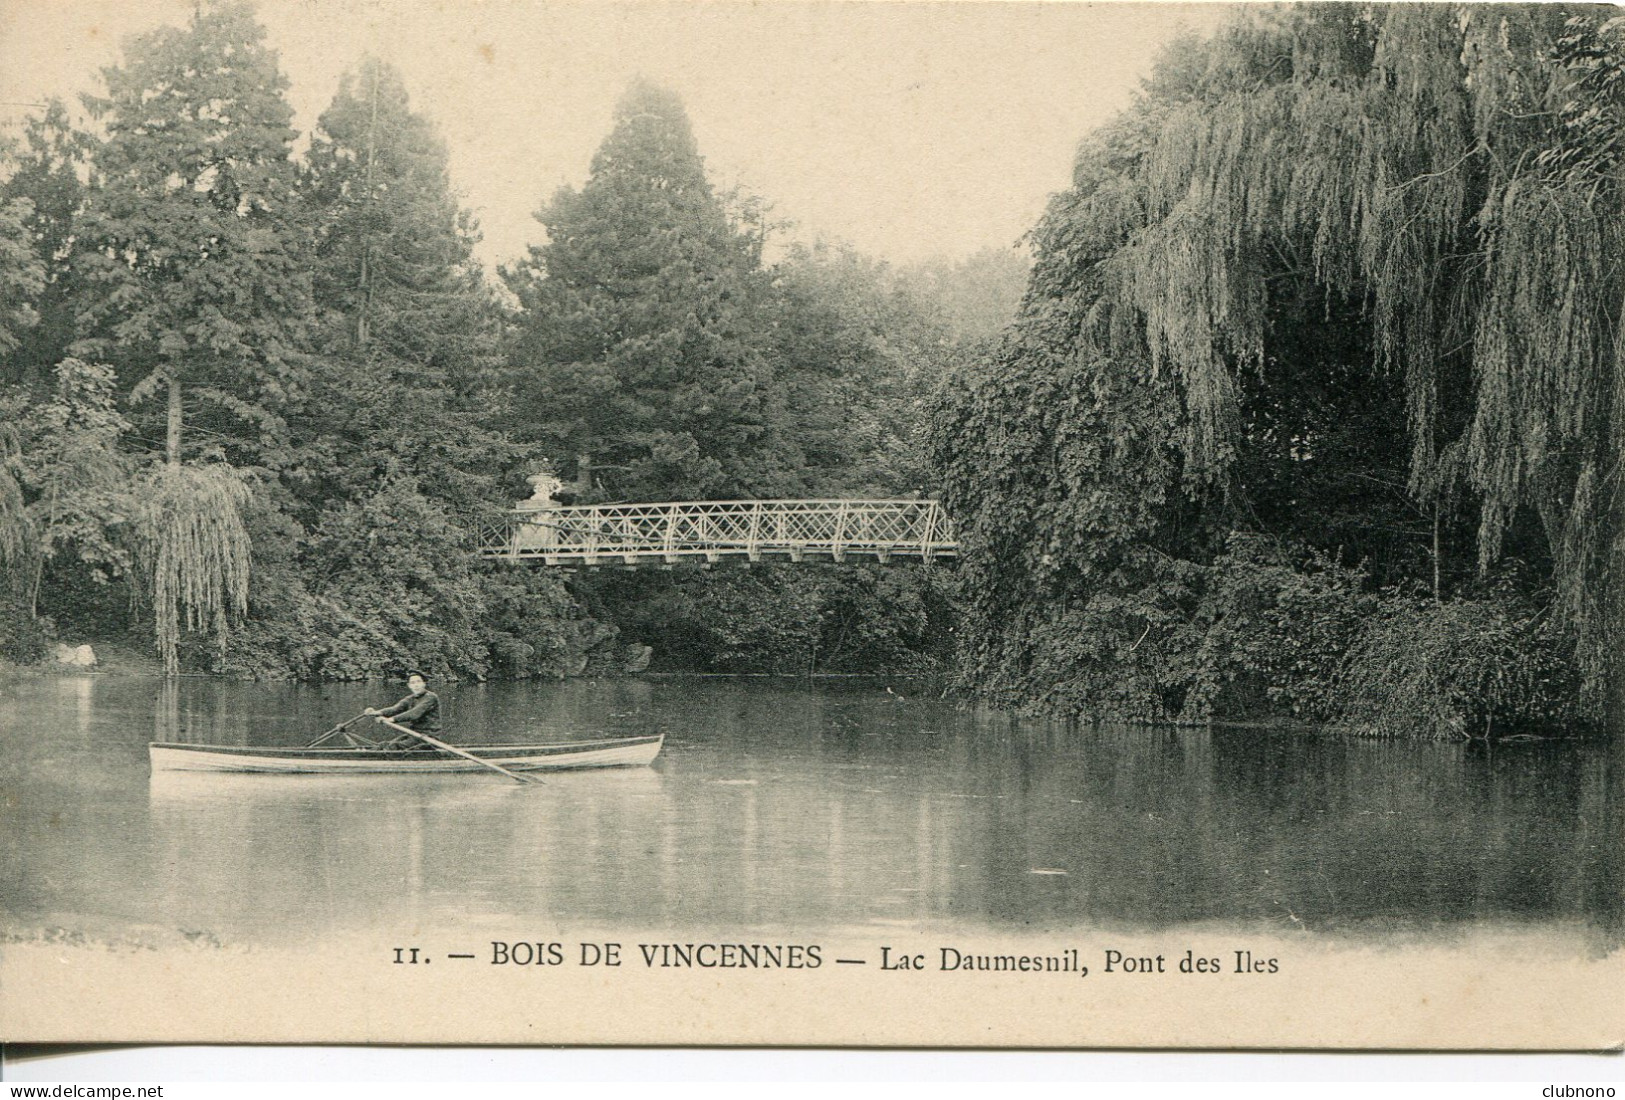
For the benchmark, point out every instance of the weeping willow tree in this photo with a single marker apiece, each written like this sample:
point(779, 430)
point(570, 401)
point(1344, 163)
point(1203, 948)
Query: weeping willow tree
point(194, 552)
point(1436, 189)
point(1457, 169)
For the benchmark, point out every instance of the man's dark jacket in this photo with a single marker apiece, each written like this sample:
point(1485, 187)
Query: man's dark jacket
point(419, 712)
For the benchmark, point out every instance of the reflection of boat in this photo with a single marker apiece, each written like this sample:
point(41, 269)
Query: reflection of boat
point(607, 753)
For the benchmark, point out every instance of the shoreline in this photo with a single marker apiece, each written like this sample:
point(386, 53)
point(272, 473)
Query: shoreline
point(120, 657)
point(119, 660)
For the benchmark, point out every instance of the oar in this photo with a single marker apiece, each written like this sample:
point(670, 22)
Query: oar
point(334, 730)
point(426, 739)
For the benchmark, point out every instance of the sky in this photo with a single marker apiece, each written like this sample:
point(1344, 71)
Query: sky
point(910, 131)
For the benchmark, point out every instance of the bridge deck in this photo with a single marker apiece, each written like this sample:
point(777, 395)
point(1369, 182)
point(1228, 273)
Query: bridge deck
point(709, 531)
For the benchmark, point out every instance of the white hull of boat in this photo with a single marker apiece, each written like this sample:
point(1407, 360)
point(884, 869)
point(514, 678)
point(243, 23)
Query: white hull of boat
point(623, 752)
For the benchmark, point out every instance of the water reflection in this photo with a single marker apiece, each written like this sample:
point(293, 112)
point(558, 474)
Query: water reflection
point(781, 806)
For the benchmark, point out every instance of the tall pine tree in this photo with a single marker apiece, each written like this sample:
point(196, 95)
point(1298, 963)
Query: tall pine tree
point(195, 243)
point(197, 288)
point(639, 360)
point(411, 338)
point(365, 567)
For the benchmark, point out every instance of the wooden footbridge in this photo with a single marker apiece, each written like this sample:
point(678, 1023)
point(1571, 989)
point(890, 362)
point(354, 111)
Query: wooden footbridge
point(707, 532)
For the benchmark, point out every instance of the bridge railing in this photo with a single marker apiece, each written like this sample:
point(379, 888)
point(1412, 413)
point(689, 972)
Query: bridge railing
point(712, 530)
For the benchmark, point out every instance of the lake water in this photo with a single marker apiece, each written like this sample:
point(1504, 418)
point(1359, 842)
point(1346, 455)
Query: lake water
point(781, 804)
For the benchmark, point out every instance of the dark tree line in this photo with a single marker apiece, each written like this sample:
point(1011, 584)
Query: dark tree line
point(1312, 406)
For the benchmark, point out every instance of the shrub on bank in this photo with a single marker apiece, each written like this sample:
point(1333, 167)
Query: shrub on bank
point(1461, 668)
point(781, 618)
point(24, 639)
point(1269, 633)
point(1272, 629)
point(522, 625)
point(387, 583)
point(1258, 633)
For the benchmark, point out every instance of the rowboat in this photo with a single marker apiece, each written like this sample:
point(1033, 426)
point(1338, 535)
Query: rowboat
point(615, 752)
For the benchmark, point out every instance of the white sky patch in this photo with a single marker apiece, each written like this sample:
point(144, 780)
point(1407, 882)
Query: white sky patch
point(908, 130)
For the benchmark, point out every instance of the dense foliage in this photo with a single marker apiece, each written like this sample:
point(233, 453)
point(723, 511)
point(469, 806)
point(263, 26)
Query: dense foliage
point(639, 357)
point(256, 400)
point(257, 408)
point(1315, 404)
point(659, 359)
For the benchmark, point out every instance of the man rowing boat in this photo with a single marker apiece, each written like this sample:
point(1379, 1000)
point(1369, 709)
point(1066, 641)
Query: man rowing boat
point(418, 711)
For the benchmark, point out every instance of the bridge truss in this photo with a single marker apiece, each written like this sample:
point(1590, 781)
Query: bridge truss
point(710, 531)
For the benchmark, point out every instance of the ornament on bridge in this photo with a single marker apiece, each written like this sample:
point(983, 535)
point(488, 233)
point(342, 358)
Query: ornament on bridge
point(529, 534)
point(544, 487)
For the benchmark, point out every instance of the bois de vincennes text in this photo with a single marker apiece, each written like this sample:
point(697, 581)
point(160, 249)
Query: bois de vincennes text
point(900, 959)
